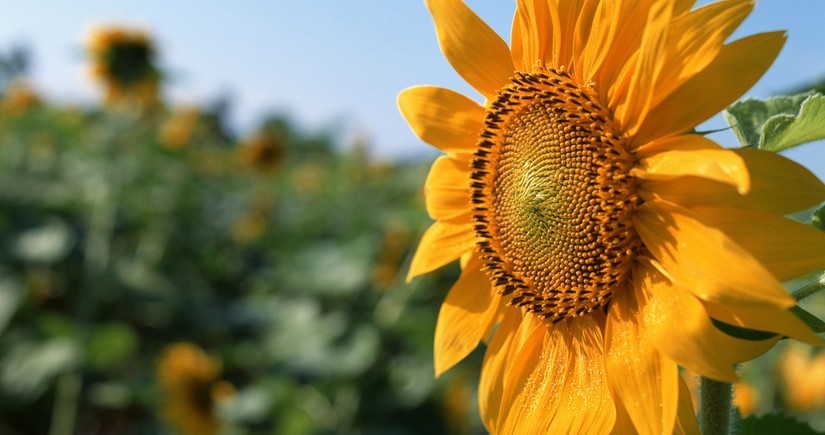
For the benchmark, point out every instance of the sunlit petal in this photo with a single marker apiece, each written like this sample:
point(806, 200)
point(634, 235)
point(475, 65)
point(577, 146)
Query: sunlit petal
point(441, 244)
point(476, 52)
point(681, 243)
point(443, 118)
point(464, 316)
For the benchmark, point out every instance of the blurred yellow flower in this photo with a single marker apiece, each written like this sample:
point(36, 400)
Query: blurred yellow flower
point(745, 397)
point(253, 223)
point(597, 236)
point(263, 151)
point(308, 177)
point(179, 128)
point(192, 385)
point(123, 62)
point(19, 97)
point(803, 378)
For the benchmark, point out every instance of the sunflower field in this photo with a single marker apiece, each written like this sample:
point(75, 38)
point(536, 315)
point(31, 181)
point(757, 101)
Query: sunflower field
point(161, 274)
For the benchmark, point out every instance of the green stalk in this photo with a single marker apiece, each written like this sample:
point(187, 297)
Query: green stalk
point(102, 217)
point(65, 404)
point(809, 289)
point(715, 406)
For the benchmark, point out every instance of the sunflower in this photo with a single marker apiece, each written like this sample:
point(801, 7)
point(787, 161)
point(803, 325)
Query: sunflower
point(264, 151)
point(802, 375)
point(123, 60)
point(192, 385)
point(179, 129)
point(602, 243)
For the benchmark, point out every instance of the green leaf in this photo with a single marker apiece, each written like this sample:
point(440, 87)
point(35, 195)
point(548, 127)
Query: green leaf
point(28, 369)
point(781, 132)
point(747, 117)
point(776, 423)
point(111, 344)
point(11, 295)
point(818, 219)
point(812, 321)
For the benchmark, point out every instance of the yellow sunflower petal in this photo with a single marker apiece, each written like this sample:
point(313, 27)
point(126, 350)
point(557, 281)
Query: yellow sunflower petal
point(447, 190)
point(705, 260)
point(441, 244)
point(685, 417)
point(734, 70)
point(535, 33)
point(517, 49)
point(632, 110)
point(495, 367)
point(695, 40)
point(474, 50)
point(692, 155)
point(443, 118)
point(619, 47)
point(778, 185)
point(769, 319)
point(785, 247)
point(516, 411)
point(678, 325)
point(558, 383)
point(604, 26)
point(568, 13)
point(644, 379)
point(464, 316)
point(623, 424)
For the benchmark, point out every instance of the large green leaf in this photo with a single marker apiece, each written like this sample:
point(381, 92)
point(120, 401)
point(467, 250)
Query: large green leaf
point(785, 131)
point(29, 367)
point(747, 117)
point(778, 123)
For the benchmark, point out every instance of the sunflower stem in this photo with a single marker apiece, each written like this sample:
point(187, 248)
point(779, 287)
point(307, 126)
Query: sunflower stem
point(809, 289)
point(715, 406)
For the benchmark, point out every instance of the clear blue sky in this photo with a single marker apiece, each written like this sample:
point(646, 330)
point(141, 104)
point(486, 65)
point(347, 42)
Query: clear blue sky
point(329, 62)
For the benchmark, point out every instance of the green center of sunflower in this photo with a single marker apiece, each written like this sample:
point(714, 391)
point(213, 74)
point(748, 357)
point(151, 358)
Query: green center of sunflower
point(553, 197)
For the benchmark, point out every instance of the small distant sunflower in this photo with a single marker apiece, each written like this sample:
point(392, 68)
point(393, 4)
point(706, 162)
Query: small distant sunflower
point(123, 60)
point(263, 151)
point(600, 241)
point(192, 386)
point(20, 96)
point(179, 129)
point(803, 378)
point(745, 397)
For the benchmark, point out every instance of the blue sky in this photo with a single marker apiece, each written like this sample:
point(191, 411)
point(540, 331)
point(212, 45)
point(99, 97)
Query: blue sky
point(330, 62)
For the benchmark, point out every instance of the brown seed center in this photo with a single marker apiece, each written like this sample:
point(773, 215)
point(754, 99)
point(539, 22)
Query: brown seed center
point(553, 197)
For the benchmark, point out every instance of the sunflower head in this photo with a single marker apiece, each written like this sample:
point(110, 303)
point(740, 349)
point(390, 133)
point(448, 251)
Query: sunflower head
point(264, 151)
point(177, 131)
point(802, 372)
point(123, 61)
point(192, 386)
point(602, 244)
point(20, 97)
point(553, 197)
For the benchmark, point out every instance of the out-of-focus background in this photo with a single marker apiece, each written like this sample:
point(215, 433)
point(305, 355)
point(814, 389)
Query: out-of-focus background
point(207, 211)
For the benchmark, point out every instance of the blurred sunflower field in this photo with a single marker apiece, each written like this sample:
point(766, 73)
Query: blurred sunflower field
point(159, 275)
